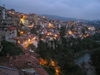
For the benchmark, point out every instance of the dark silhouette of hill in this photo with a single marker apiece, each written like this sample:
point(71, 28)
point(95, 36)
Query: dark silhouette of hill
point(54, 17)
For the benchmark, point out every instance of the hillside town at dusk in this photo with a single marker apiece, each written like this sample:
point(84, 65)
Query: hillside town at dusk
point(24, 39)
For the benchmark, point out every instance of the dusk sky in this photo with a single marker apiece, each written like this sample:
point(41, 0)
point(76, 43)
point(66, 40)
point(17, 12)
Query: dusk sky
point(82, 9)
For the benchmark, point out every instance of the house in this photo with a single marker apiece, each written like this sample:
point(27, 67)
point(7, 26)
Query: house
point(11, 34)
point(28, 64)
point(8, 71)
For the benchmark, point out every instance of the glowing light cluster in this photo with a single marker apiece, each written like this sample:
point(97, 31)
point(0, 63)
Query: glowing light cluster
point(43, 62)
point(89, 28)
point(12, 13)
point(57, 69)
point(22, 19)
point(42, 39)
point(18, 41)
point(30, 26)
point(53, 63)
point(28, 40)
point(34, 38)
point(49, 33)
point(21, 32)
point(51, 26)
point(86, 35)
point(70, 32)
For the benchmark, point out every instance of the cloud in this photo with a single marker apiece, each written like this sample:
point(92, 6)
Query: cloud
point(88, 9)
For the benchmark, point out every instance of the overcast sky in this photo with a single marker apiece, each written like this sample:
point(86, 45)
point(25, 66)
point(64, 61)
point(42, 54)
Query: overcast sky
point(82, 9)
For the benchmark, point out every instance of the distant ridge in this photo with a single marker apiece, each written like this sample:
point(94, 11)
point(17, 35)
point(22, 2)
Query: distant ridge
point(54, 17)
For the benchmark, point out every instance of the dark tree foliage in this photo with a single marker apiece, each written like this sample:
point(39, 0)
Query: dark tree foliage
point(95, 58)
point(65, 51)
point(83, 31)
point(33, 31)
point(32, 46)
point(44, 50)
point(18, 33)
point(10, 48)
point(62, 31)
point(63, 55)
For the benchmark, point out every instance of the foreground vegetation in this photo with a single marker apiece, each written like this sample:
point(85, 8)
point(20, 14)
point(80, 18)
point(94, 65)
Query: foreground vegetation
point(95, 58)
point(64, 52)
point(10, 48)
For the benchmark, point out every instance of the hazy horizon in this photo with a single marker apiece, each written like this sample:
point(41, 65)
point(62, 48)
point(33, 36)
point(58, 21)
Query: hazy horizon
point(88, 10)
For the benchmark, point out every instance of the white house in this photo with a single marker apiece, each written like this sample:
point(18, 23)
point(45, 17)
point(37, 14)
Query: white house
point(11, 34)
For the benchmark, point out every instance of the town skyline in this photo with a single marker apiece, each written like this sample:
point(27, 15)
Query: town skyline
point(31, 44)
point(88, 10)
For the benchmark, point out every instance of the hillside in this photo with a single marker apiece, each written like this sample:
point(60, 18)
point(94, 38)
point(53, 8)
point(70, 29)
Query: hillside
point(54, 17)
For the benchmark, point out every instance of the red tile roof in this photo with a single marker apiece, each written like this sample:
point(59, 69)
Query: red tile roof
point(8, 71)
point(11, 28)
point(15, 38)
point(35, 54)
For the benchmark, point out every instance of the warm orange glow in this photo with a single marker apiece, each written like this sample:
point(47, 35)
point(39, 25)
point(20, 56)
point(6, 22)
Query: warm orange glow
point(46, 36)
point(89, 28)
point(56, 35)
point(22, 19)
point(57, 69)
point(43, 17)
point(43, 62)
point(53, 26)
point(28, 40)
point(42, 39)
point(21, 32)
point(34, 38)
point(49, 33)
point(86, 35)
point(24, 16)
point(50, 26)
point(53, 63)
point(25, 42)
point(18, 41)
point(70, 32)
point(12, 13)
point(30, 26)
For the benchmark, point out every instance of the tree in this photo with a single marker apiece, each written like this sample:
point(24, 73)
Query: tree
point(33, 31)
point(83, 31)
point(72, 27)
point(62, 31)
point(95, 58)
point(32, 46)
point(10, 48)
